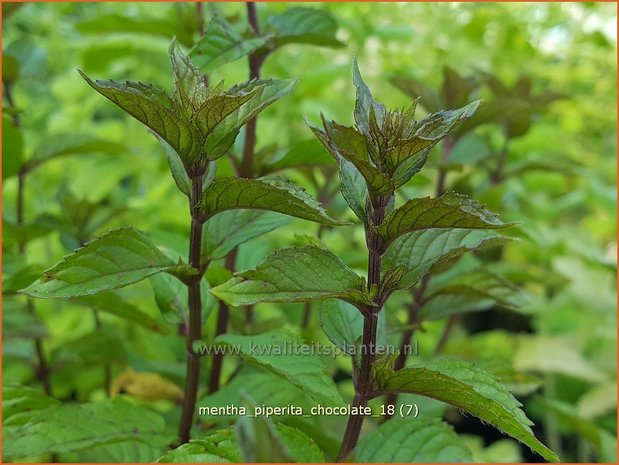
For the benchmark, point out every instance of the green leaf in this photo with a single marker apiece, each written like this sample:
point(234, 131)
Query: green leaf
point(598, 400)
point(295, 274)
point(263, 94)
point(118, 452)
point(472, 291)
point(175, 162)
point(277, 195)
point(266, 388)
point(276, 352)
point(12, 148)
point(456, 89)
point(102, 346)
point(302, 448)
point(171, 298)
point(451, 210)
point(112, 420)
point(365, 103)
point(229, 229)
point(20, 278)
point(113, 304)
point(219, 447)
point(354, 188)
point(303, 25)
point(468, 388)
point(152, 107)
point(19, 323)
point(408, 440)
point(305, 153)
point(343, 325)
point(344, 142)
point(222, 44)
point(191, 88)
point(259, 442)
point(19, 401)
point(119, 258)
point(554, 354)
point(419, 251)
point(29, 231)
point(223, 446)
point(62, 145)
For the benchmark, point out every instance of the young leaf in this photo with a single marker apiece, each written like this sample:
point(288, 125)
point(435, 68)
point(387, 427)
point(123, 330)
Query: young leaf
point(277, 195)
point(365, 103)
point(48, 431)
point(191, 89)
point(347, 143)
point(229, 229)
point(421, 250)
point(276, 352)
point(222, 44)
point(451, 210)
point(305, 26)
point(152, 107)
point(295, 274)
point(468, 388)
point(119, 258)
point(419, 440)
point(263, 93)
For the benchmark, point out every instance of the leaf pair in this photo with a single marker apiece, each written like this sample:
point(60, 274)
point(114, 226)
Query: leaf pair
point(310, 273)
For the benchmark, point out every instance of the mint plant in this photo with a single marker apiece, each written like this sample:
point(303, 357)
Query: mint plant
point(196, 125)
point(376, 156)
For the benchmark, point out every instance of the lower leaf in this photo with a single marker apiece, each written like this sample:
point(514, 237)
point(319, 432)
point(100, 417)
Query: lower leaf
point(468, 388)
point(412, 440)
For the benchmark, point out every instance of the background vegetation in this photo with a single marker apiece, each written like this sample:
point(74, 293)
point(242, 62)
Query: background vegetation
point(556, 350)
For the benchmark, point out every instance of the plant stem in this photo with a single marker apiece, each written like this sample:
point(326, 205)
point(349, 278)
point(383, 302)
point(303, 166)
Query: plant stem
point(370, 327)
point(255, 64)
point(223, 315)
point(451, 323)
point(200, 18)
point(43, 370)
point(497, 175)
point(195, 314)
